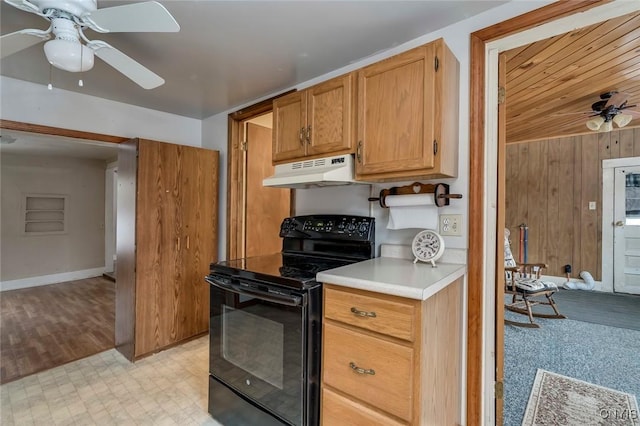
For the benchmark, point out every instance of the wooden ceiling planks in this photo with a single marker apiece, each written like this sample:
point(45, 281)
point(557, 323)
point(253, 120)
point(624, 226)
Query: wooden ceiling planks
point(552, 83)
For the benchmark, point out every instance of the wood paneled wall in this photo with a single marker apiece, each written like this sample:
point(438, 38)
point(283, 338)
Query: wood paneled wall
point(549, 184)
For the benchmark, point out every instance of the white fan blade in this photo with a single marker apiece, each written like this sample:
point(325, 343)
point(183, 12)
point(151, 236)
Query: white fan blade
point(140, 75)
point(131, 18)
point(15, 42)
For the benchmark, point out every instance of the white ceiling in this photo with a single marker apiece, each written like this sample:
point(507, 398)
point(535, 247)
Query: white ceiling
point(228, 53)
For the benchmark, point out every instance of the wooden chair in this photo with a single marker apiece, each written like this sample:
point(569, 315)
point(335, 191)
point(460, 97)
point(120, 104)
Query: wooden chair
point(522, 281)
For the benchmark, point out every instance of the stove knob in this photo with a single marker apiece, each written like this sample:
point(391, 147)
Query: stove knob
point(351, 227)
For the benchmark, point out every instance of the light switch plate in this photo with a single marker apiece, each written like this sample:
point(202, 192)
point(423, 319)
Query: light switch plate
point(450, 224)
point(592, 205)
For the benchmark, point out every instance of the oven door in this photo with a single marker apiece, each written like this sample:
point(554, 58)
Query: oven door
point(257, 343)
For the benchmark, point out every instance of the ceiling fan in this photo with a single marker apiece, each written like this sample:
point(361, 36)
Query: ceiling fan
point(69, 19)
point(613, 107)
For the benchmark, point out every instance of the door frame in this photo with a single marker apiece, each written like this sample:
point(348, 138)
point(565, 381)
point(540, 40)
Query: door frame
point(485, 45)
point(236, 174)
point(608, 189)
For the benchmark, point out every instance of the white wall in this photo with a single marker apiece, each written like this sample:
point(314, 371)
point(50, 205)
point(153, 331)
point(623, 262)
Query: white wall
point(82, 246)
point(456, 36)
point(34, 103)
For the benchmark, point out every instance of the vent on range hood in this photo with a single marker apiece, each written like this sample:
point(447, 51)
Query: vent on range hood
point(327, 171)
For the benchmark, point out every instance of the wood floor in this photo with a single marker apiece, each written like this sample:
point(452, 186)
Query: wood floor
point(43, 327)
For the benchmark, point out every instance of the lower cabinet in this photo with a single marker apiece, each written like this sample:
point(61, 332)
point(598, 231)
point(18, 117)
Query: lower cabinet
point(389, 360)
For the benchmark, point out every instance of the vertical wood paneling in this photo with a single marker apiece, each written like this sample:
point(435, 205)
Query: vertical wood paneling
point(549, 186)
point(626, 143)
point(604, 142)
point(577, 200)
point(588, 222)
point(566, 195)
point(537, 201)
point(553, 228)
point(511, 193)
point(614, 144)
point(522, 215)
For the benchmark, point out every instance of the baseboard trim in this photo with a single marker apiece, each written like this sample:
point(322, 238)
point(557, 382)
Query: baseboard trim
point(50, 279)
point(561, 280)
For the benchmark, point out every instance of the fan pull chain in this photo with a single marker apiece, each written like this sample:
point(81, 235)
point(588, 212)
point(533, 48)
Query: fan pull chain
point(50, 86)
point(80, 83)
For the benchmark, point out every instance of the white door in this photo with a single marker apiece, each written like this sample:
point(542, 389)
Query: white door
point(626, 234)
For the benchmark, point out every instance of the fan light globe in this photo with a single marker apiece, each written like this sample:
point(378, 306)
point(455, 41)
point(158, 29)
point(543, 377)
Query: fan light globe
point(607, 126)
point(595, 123)
point(69, 55)
point(622, 120)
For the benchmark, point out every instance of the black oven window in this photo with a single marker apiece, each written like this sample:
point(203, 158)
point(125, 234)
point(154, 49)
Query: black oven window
point(254, 343)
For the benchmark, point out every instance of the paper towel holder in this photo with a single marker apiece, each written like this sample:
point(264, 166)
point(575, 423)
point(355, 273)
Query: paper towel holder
point(440, 193)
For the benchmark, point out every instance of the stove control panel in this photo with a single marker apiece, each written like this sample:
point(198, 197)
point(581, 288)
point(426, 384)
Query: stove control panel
point(354, 228)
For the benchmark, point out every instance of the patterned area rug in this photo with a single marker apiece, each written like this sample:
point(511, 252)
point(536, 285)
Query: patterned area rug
point(561, 400)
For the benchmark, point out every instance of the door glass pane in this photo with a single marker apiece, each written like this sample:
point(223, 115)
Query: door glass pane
point(255, 344)
point(632, 199)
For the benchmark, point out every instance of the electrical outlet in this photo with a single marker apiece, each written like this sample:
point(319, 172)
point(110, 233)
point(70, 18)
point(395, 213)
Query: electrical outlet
point(592, 205)
point(450, 224)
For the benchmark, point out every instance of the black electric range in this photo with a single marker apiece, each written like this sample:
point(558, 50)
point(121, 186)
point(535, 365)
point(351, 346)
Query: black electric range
point(265, 322)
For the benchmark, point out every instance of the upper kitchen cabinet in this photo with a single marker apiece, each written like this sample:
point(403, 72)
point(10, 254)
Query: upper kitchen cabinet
point(314, 122)
point(407, 116)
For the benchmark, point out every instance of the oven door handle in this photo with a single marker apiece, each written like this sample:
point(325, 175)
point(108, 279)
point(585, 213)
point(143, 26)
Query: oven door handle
point(281, 299)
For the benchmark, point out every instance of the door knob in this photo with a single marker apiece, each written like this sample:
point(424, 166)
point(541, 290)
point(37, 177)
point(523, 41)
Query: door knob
point(619, 223)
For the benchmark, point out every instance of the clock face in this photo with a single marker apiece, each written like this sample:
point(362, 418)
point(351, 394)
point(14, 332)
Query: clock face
point(427, 245)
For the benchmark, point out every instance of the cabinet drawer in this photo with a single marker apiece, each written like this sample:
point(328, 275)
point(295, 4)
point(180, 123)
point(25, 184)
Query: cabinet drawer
point(389, 388)
point(338, 410)
point(392, 317)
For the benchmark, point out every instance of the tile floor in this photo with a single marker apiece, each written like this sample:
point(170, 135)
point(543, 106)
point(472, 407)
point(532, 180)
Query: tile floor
point(169, 388)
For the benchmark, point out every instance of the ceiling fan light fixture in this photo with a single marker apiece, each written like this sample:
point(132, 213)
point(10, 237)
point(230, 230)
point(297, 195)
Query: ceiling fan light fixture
point(595, 123)
point(622, 119)
point(69, 55)
point(607, 126)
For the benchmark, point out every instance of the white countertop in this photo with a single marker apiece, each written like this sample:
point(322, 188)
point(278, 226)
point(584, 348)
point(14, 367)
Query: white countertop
point(397, 277)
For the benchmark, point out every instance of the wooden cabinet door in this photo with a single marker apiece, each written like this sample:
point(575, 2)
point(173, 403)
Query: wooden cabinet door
point(395, 114)
point(157, 245)
point(330, 116)
point(289, 122)
point(199, 221)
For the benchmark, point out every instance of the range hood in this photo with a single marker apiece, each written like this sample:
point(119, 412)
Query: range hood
point(327, 171)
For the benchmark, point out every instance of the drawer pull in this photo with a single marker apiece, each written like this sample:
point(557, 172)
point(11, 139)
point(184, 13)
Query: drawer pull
point(361, 370)
point(363, 313)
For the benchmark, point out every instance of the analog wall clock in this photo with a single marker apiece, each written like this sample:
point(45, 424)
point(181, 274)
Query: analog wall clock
point(427, 246)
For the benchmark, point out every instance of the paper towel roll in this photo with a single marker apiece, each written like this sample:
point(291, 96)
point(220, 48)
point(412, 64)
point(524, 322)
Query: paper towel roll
point(412, 211)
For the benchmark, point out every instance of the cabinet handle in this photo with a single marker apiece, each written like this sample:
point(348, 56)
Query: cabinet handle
point(187, 242)
point(363, 313)
point(309, 134)
point(362, 370)
point(178, 244)
point(301, 136)
point(359, 152)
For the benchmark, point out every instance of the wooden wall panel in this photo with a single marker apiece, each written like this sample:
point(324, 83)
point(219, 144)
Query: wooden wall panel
point(554, 184)
point(549, 186)
point(589, 256)
point(566, 194)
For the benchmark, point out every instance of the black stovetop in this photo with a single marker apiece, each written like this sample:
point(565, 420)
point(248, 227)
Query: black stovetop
point(310, 244)
point(290, 270)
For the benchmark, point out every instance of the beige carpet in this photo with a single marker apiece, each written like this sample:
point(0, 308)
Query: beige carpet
point(561, 400)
